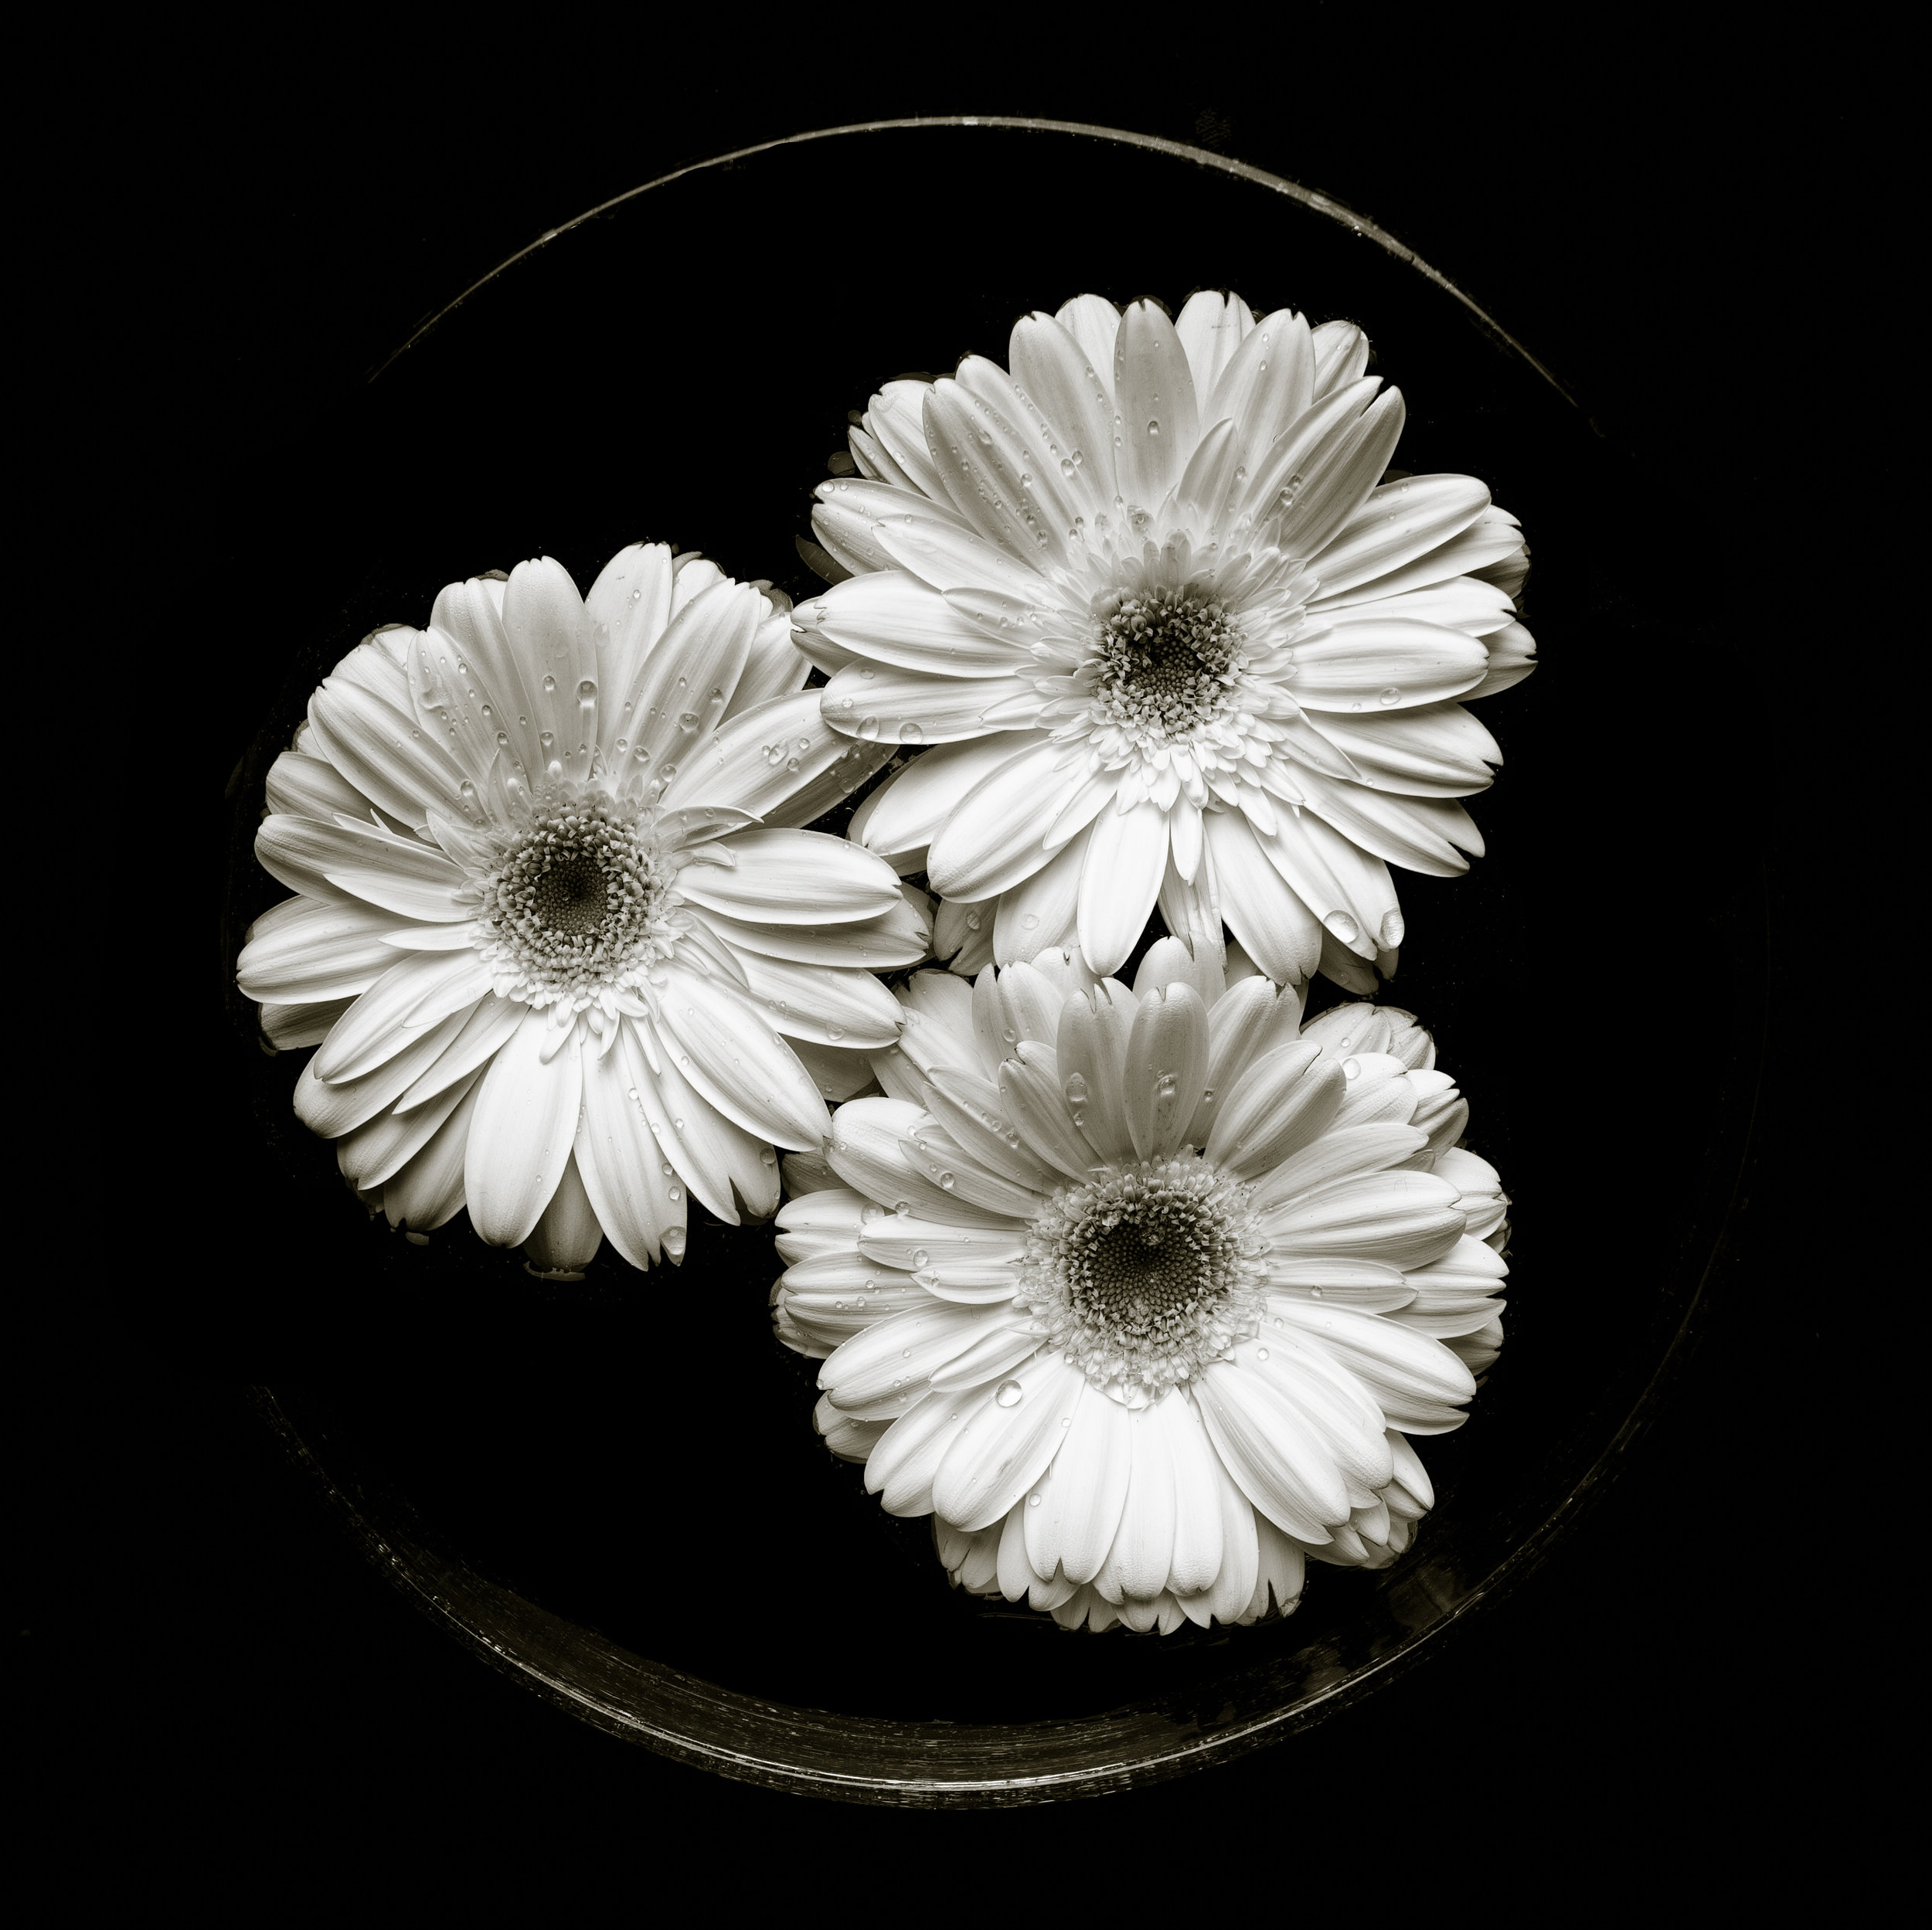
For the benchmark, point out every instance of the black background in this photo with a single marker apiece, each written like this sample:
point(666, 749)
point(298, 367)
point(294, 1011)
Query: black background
point(1661, 1696)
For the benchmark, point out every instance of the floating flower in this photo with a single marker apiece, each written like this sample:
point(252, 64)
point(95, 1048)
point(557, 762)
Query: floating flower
point(1140, 1295)
point(1176, 631)
point(556, 934)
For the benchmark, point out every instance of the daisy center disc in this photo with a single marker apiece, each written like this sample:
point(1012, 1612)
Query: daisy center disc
point(1144, 1276)
point(1166, 658)
point(580, 902)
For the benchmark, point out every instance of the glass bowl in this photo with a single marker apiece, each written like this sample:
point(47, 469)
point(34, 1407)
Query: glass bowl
point(612, 1489)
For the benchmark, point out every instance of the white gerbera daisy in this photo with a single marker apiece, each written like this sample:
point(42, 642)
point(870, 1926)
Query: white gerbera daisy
point(1139, 1296)
point(555, 924)
point(1175, 638)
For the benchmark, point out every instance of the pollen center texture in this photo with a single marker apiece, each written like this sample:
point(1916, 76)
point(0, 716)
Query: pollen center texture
point(577, 901)
point(1144, 1276)
point(1166, 658)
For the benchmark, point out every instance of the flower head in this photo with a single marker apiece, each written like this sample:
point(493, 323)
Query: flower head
point(565, 953)
point(1140, 1293)
point(1177, 632)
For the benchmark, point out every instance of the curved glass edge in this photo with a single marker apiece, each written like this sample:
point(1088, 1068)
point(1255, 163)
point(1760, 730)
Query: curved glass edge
point(1318, 203)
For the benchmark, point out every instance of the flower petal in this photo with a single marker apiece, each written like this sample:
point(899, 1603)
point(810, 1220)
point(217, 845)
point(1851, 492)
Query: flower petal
point(867, 1155)
point(1074, 1510)
point(329, 1111)
point(904, 814)
point(762, 758)
point(307, 949)
point(1278, 930)
point(335, 860)
point(428, 1191)
point(737, 1062)
point(1267, 384)
point(900, 1469)
point(717, 1158)
point(1069, 383)
point(912, 707)
point(521, 1134)
point(1395, 663)
point(1166, 1061)
point(472, 613)
point(1402, 1218)
point(1211, 327)
point(1155, 407)
point(873, 944)
point(1282, 1102)
point(1126, 856)
point(381, 1147)
point(1005, 1446)
point(379, 747)
point(888, 1364)
point(992, 840)
point(628, 606)
point(1277, 1458)
point(418, 992)
point(1398, 522)
point(822, 1004)
point(792, 878)
point(617, 1158)
point(307, 787)
point(890, 617)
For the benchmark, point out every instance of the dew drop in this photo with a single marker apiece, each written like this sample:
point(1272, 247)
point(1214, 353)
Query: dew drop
point(1076, 1090)
point(1351, 1068)
point(869, 727)
point(1029, 921)
point(972, 921)
point(946, 1181)
point(911, 733)
point(549, 687)
point(1164, 1086)
point(1393, 929)
point(1032, 1500)
point(1391, 695)
point(1344, 927)
point(1010, 1394)
point(921, 1257)
point(688, 720)
point(927, 1278)
point(1260, 1354)
point(673, 1237)
point(1315, 1290)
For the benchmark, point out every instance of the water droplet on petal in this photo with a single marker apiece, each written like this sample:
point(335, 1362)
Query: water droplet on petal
point(1393, 929)
point(1391, 695)
point(869, 727)
point(1010, 1394)
point(1344, 927)
point(673, 1237)
point(1260, 1354)
point(1076, 1090)
point(1315, 1290)
point(920, 1256)
point(1351, 1068)
point(911, 733)
point(1032, 1500)
point(549, 687)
